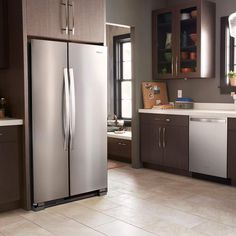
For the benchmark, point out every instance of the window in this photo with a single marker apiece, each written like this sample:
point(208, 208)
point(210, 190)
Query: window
point(122, 77)
point(228, 56)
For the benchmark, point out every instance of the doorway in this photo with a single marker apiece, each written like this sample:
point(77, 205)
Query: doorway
point(119, 109)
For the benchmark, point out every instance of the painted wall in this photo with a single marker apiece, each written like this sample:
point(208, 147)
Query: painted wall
point(205, 90)
point(136, 13)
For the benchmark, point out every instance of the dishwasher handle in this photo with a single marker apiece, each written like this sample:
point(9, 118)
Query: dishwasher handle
point(209, 120)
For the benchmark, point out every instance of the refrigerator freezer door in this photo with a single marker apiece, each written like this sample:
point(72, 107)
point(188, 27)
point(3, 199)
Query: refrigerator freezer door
point(50, 159)
point(88, 159)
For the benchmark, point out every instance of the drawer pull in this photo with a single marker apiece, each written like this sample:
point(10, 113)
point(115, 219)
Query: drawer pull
point(122, 144)
point(167, 120)
point(1, 134)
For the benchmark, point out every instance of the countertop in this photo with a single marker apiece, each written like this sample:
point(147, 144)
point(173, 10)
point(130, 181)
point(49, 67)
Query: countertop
point(127, 135)
point(10, 122)
point(210, 110)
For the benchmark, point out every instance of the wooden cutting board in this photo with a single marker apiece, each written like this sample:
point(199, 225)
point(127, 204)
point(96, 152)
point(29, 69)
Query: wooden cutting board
point(154, 92)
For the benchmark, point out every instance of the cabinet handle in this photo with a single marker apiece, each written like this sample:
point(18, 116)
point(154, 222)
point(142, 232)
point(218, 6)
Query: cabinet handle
point(122, 144)
point(164, 137)
point(159, 138)
point(66, 28)
point(176, 64)
point(168, 120)
point(72, 30)
point(172, 66)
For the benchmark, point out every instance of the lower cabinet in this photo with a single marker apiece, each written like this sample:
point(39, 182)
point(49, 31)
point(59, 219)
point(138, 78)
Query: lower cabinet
point(9, 168)
point(232, 150)
point(165, 140)
point(119, 149)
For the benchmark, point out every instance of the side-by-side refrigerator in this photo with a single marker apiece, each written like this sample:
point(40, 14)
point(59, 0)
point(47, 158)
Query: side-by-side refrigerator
point(68, 103)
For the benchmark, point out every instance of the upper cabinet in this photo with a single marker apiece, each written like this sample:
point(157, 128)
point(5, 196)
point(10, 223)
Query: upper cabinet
point(77, 20)
point(184, 41)
point(3, 35)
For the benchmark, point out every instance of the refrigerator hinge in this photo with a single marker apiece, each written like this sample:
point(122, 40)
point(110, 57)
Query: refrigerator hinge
point(38, 206)
point(102, 192)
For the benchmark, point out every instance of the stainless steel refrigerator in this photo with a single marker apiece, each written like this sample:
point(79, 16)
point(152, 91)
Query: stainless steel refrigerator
point(69, 111)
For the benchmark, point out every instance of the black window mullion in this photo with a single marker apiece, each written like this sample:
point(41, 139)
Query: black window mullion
point(118, 72)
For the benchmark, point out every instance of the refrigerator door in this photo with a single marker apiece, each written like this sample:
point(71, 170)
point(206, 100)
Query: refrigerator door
point(88, 154)
point(50, 120)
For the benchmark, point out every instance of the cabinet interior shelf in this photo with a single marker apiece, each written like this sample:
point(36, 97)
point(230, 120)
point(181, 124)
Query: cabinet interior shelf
point(187, 22)
point(189, 48)
point(165, 49)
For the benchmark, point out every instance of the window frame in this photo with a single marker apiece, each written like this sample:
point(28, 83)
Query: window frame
point(118, 71)
point(224, 87)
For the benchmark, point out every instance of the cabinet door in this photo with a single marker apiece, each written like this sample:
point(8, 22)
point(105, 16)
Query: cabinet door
point(9, 172)
point(176, 140)
point(164, 44)
point(119, 148)
point(232, 154)
point(188, 41)
point(87, 20)
point(151, 143)
point(46, 18)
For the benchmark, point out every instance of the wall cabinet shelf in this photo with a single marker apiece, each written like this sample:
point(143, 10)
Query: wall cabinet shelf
point(164, 140)
point(181, 33)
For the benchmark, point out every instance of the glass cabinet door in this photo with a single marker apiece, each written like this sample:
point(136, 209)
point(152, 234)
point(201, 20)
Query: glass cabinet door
point(187, 63)
point(164, 50)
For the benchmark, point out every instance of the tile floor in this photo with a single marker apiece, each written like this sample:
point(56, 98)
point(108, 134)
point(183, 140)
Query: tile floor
point(139, 203)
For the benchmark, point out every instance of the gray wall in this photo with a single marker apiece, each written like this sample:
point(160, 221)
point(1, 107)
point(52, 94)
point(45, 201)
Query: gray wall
point(112, 31)
point(136, 13)
point(205, 90)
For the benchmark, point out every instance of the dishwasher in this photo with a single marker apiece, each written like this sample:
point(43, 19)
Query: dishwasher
point(208, 146)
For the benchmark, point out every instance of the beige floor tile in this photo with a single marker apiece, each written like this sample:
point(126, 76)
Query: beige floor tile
point(119, 228)
point(165, 228)
point(24, 228)
point(98, 203)
point(82, 214)
point(10, 217)
point(215, 229)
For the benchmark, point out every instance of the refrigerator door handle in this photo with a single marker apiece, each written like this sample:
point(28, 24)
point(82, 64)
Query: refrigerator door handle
point(72, 107)
point(66, 109)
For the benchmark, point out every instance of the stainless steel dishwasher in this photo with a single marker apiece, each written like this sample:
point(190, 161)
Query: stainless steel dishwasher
point(208, 146)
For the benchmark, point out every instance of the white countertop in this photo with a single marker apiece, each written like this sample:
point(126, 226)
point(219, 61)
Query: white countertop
point(10, 122)
point(204, 109)
point(127, 135)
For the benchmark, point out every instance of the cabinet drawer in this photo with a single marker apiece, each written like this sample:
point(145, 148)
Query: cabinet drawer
point(232, 123)
point(119, 147)
point(165, 119)
point(8, 134)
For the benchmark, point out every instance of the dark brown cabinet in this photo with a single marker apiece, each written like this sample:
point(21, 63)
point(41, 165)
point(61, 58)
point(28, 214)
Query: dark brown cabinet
point(119, 149)
point(3, 35)
point(232, 150)
point(9, 168)
point(184, 41)
point(78, 20)
point(164, 140)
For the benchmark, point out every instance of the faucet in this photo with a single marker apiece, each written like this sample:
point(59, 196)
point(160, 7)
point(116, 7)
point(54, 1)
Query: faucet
point(116, 120)
point(234, 97)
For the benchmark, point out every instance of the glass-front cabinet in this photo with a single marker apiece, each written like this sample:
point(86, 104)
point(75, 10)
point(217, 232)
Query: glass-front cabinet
point(184, 41)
